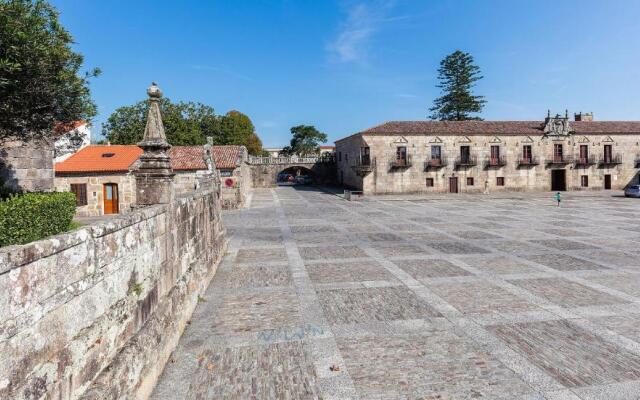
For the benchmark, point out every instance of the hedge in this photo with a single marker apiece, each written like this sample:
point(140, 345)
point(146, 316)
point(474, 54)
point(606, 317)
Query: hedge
point(28, 217)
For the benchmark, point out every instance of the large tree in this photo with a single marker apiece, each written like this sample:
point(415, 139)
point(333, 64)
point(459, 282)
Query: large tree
point(457, 76)
point(40, 79)
point(236, 128)
point(305, 141)
point(184, 123)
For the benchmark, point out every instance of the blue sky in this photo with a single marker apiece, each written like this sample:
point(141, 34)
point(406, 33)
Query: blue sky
point(346, 65)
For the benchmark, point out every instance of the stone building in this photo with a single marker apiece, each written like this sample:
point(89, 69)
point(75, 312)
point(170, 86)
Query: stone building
point(70, 138)
point(488, 156)
point(102, 176)
point(235, 174)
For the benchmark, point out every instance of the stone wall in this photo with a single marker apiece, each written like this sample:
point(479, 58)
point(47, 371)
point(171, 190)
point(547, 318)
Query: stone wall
point(26, 166)
point(235, 188)
point(95, 193)
point(95, 313)
point(384, 179)
point(265, 175)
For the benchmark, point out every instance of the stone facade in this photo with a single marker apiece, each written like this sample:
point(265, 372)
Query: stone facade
point(95, 313)
point(503, 156)
point(95, 191)
point(26, 166)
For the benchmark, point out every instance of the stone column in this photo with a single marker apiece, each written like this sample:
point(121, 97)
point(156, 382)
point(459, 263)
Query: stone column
point(154, 176)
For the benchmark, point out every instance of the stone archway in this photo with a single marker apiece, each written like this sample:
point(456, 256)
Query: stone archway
point(296, 170)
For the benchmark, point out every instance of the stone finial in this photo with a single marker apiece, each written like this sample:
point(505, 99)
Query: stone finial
point(154, 176)
point(154, 131)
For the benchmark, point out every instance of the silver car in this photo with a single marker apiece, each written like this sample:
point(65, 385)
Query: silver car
point(632, 191)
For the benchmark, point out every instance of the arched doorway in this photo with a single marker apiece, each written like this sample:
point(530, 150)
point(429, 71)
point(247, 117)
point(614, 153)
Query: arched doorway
point(295, 176)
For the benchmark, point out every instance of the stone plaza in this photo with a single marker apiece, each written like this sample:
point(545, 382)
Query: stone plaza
point(503, 296)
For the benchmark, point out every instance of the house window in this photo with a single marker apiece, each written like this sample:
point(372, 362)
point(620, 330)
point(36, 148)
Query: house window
point(557, 153)
point(80, 190)
point(527, 153)
point(469, 181)
point(465, 154)
point(608, 153)
point(584, 153)
point(584, 181)
point(339, 156)
point(500, 181)
point(346, 157)
point(436, 152)
point(401, 155)
point(495, 152)
point(365, 156)
point(429, 182)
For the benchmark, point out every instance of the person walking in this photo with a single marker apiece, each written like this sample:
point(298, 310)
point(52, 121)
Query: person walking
point(558, 198)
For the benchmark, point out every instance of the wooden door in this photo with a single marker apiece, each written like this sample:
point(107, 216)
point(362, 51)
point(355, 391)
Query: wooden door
point(110, 192)
point(453, 185)
point(607, 182)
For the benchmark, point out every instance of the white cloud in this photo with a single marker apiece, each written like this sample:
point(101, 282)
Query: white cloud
point(362, 22)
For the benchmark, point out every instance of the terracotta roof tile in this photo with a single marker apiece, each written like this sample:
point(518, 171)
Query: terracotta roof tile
point(187, 158)
point(101, 158)
point(226, 157)
point(498, 127)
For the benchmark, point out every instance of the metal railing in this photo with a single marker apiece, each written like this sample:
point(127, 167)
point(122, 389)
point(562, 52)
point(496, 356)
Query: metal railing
point(560, 160)
point(526, 161)
point(396, 162)
point(466, 161)
point(363, 165)
point(610, 159)
point(492, 162)
point(435, 163)
point(289, 160)
point(585, 161)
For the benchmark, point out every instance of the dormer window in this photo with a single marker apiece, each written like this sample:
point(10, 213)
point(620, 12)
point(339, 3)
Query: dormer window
point(107, 155)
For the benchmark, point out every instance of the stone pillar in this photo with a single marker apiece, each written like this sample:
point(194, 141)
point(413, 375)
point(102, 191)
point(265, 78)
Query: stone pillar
point(154, 176)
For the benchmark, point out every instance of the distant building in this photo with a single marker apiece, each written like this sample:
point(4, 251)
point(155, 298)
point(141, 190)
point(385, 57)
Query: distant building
point(102, 176)
point(273, 151)
point(485, 156)
point(70, 138)
point(327, 150)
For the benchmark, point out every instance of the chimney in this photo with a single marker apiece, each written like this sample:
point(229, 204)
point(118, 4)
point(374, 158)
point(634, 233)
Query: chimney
point(587, 117)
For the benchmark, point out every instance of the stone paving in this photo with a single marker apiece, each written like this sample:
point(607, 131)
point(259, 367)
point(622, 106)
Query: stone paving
point(462, 297)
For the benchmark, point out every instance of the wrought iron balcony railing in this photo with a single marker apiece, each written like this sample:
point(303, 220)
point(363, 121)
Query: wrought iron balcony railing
point(466, 161)
point(363, 165)
point(585, 161)
point(435, 163)
point(560, 160)
point(399, 163)
point(611, 159)
point(528, 161)
point(495, 162)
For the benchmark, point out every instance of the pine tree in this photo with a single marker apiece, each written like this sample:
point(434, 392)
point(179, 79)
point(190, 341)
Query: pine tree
point(457, 76)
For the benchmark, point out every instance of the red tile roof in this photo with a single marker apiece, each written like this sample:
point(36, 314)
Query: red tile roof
point(101, 158)
point(226, 157)
point(187, 158)
point(498, 127)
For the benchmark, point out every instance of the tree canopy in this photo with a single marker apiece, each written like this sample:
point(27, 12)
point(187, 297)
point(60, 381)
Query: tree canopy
point(305, 141)
point(236, 128)
point(40, 80)
point(185, 124)
point(457, 76)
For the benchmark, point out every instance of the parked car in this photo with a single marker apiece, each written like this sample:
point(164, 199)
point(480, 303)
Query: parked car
point(632, 191)
point(303, 179)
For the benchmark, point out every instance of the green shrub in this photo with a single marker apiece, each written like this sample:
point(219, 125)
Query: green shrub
point(33, 216)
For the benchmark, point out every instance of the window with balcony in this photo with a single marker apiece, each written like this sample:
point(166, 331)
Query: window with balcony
point(527, 154)
point(365, 157)
point(608, 153)
point(557, 153)
point(584, 153)
point(401, 156)
point(465, 154)
point(436, 152)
